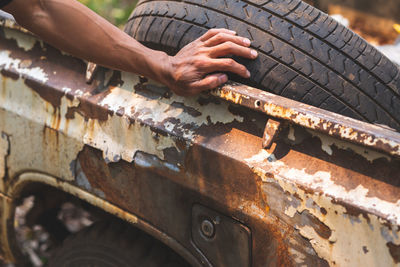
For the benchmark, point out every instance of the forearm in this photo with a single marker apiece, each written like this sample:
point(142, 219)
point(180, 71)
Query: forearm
point(74, 28)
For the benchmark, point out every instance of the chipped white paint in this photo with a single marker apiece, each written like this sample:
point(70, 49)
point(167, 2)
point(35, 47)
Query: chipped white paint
point(351, 235)
point(160, 110)
point(117, 137)
point(24, 41)
point(31, 145)
point(66, 90)
point(6, 62)
point(313, 118)
point(327, 142)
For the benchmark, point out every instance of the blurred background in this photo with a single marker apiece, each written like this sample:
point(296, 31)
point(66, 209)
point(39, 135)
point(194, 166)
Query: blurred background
point(115, 11)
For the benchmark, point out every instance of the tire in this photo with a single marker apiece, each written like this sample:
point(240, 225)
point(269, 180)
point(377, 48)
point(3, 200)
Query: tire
point(106, 244)
point(304, 54)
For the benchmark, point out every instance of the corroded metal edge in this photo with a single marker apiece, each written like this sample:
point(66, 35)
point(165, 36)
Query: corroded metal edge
point(7, 21)
point(358, 132)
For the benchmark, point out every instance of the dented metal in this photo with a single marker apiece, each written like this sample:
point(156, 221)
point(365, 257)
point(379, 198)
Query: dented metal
point(326, 192)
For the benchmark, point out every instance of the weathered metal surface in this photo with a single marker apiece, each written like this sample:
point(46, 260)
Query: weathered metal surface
point(314, 198)
point(272, 129)
point(4, 151)
point(217, 236)
point(345, 128)
point(91, 71)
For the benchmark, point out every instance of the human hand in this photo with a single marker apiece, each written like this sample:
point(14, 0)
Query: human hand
point(188, 72)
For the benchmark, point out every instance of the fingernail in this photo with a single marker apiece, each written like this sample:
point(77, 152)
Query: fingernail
point(248, 74)
point(254, 53)
point(223, 78)
point(246, 41)
point(233, 32)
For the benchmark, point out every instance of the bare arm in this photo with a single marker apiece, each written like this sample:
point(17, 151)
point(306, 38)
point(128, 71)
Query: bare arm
point(72, 27)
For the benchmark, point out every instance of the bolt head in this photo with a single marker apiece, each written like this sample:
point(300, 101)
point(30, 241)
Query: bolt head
point(207, 228)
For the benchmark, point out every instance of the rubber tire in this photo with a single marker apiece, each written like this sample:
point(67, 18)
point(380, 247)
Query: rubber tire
point(304, 54)
point(106, 244)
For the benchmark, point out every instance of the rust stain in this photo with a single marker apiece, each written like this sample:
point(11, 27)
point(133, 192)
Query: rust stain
point(47, 93)
point(9, 74)
point(394, 251)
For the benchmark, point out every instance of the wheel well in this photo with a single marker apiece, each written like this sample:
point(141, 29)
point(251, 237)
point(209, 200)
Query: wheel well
point(46, 206)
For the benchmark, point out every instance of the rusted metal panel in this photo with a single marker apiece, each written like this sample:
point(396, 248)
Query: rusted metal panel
point(272, 129)
point(317, 196)
point(345, 128)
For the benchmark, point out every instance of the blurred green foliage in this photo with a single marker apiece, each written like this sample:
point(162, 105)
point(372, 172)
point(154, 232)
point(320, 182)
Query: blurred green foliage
point(115, 11)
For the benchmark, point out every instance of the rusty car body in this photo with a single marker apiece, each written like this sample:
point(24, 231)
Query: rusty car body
point(282, 183)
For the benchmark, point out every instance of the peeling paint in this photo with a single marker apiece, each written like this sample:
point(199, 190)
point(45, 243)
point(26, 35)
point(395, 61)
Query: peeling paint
point(24, 41)
point(32, 122)
point(372, 231)
point(6, 62)
point(160, 110)
point(327, 142)
point(329, 123)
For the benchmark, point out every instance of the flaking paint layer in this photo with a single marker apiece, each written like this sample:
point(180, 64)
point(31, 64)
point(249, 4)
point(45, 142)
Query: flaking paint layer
point(371, 230)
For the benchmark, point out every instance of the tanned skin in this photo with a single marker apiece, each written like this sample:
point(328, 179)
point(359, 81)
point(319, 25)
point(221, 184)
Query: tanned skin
point(74, 28)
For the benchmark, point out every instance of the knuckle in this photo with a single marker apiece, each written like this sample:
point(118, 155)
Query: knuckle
point(219, 37)
point(200, 63)
point(230, 63)
point(226, 47)
point(230, 46)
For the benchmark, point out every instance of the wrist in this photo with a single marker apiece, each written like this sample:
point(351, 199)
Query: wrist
point(157, 66)
point(163, 68)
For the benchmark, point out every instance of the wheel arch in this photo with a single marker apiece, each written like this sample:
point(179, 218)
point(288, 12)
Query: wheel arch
point(22, 181)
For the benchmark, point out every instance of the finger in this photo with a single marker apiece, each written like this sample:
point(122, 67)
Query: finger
point(227, 65)
point(213, 32)
point(229, 48)
point(209, 82)
point(224, 37)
